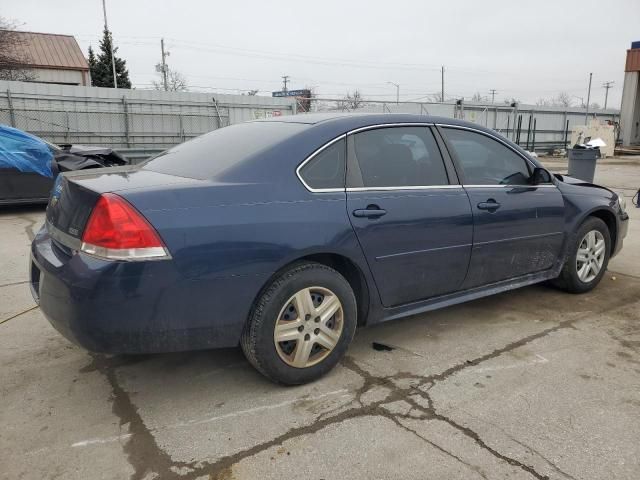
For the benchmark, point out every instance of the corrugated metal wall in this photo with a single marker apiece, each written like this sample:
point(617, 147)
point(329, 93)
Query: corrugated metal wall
point(149, 120)
point(126, 119)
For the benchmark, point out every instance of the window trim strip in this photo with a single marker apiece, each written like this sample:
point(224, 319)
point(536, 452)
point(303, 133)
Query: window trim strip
point(311, 157)
point(408, 187)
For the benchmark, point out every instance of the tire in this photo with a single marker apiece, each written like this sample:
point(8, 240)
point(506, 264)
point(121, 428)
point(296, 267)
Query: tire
point(278, 305)
point(570, 278)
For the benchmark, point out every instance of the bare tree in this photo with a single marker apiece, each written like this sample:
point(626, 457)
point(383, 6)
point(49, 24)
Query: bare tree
point(544, 102)
point(13, 57)
point(563, 100)
point(477, 97)
point(176, 82)
point(351, 101)
point(595, 106)
point(354, 100)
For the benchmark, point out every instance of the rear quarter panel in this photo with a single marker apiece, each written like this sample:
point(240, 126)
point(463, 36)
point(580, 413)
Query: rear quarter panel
point(242, 233)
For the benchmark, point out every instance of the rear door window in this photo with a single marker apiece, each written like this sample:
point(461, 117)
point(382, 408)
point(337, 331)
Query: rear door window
point(485, 161)
point(395, 157)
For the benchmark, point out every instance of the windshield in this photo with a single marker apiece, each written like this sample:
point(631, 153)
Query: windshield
point(210, 155)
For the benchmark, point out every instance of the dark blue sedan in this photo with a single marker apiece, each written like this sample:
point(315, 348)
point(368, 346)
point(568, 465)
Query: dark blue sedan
point(285, 235)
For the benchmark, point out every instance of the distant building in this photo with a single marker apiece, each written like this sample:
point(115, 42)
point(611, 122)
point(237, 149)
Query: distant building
point(630, 111)
point(54, 58)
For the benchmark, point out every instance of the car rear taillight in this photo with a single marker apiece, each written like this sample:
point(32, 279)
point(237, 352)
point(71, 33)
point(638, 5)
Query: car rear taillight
point(117, 231)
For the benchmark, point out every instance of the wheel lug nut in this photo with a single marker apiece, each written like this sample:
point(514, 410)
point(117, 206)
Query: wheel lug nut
point(316, 331)
point(317, 320)
point(300, 328)
point(307, 337)
point(307, 317)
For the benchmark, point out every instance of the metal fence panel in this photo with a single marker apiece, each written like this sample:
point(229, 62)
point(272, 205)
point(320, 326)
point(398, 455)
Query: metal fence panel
point(550, 122)
point(127, 119)
point(140, 120)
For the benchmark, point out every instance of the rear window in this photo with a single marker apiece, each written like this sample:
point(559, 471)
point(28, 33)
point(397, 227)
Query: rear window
point(210, 155)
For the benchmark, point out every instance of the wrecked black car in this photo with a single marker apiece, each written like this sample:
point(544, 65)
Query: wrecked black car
point(29, 164)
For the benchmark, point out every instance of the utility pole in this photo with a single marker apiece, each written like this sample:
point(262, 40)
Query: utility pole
point(442, 91)
point(113, 59)
point(586, 113)
point(493, 95)
point(285, 80)
point(164, 66)
point(607, 86)
point(397, 91)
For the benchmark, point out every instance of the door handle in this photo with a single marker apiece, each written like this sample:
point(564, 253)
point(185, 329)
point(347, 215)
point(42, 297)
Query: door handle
point(491, 205)
point(369, 212)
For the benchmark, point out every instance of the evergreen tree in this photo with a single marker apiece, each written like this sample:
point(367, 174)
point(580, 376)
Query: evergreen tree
point(101, 68)
point(92, 60)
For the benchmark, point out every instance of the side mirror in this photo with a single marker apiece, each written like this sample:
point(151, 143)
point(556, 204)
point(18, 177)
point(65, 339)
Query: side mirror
point(540, 175)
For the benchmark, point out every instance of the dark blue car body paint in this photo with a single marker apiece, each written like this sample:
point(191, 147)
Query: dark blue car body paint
point(229, 235)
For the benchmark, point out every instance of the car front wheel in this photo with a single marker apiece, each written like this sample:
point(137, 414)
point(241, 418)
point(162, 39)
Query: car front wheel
point(588, 257)
point(301, 325)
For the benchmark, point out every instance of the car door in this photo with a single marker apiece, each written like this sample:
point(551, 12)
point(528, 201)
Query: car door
point(411, 216)
point(518, 227)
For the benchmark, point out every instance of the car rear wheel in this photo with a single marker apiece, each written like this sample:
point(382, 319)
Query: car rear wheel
point(301, 325)
point(588, 257)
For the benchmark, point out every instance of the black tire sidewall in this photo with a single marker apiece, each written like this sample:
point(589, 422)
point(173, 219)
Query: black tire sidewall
point(264, 316)
point(570, 272)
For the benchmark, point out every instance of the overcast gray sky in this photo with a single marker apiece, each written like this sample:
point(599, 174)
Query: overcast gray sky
point(522, 50)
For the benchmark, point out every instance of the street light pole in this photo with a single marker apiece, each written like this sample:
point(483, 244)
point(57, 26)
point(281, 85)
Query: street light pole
point(397, 91)
point(607, 86)
point(113, 58)
point(586, 113)
point(164, 66)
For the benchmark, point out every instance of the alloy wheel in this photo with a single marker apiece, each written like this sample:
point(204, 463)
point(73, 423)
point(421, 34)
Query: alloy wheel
point(590, 256)
point(308, 327)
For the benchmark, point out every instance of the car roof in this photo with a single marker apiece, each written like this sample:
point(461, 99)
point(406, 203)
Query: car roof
point(335, 123)
point(350, 121)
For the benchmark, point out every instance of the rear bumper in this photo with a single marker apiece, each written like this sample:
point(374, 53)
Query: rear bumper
point(136, 307)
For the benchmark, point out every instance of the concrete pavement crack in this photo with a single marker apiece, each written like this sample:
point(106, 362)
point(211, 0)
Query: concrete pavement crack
point(14, 283)
point(143, 452)
point(28, 229)
point(145, 455)
point(474, 468)
point(18, 314)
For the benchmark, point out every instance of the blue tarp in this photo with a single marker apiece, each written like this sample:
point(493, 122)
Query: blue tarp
point(24, 152)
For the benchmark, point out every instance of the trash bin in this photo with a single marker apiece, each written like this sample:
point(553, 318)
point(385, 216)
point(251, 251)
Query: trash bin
point(582, 163)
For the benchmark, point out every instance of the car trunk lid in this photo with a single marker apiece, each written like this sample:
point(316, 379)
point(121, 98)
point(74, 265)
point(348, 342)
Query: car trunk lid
point(75, 194)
